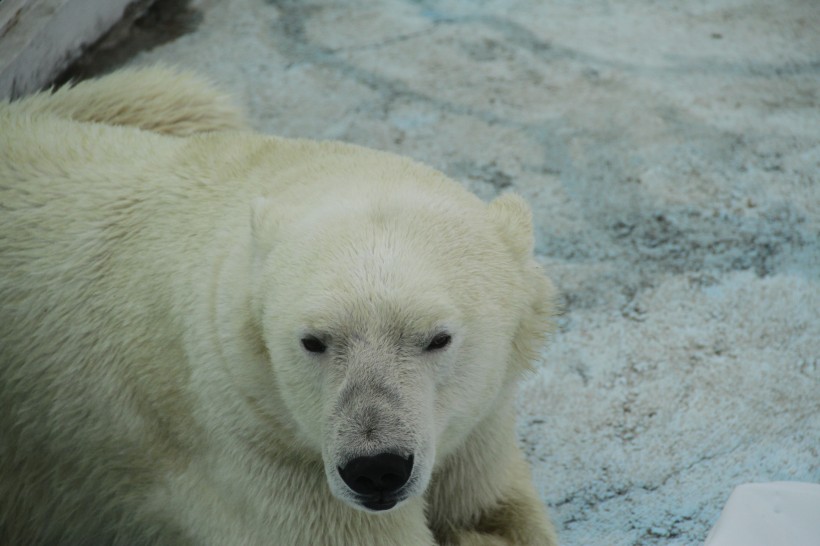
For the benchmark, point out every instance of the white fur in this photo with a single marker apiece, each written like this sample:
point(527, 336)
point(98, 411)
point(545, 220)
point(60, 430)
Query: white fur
point(154, 293)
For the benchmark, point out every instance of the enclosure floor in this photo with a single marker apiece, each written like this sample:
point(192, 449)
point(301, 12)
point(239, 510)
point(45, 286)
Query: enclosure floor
point(671, 152)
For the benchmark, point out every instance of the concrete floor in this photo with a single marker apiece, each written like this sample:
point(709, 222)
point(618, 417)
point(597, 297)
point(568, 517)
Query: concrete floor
point(671, 153)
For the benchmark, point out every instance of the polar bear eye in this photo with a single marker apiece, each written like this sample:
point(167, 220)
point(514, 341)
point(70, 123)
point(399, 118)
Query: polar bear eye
point(439, 342)
point(313, 344)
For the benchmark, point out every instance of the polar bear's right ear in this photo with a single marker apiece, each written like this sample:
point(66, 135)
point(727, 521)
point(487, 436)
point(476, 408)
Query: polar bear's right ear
point(513, 217)
point(262, 225)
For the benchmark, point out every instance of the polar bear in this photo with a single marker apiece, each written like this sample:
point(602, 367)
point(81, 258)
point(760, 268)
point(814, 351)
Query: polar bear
point(212, 336)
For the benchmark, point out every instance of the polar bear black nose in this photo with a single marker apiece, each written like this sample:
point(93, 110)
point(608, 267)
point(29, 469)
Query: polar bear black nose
point(384, 473)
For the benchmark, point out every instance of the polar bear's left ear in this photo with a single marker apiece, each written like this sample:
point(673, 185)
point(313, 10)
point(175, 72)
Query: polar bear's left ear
point(513, 217)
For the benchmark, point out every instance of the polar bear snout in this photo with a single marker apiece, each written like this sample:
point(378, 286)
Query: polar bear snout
point(378, 451)
point(377, 479)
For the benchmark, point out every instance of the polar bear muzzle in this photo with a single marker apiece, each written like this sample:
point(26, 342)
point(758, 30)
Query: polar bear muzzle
point(377, 480)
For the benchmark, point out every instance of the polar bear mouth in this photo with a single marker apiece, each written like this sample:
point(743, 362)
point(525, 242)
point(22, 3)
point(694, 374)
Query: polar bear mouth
point(381, 502)
point(379, 505)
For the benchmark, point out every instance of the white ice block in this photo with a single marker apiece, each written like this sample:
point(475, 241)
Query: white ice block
point(769, 514)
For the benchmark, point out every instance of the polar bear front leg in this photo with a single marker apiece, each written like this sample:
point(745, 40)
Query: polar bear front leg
point(517, 518)
point(483, 494)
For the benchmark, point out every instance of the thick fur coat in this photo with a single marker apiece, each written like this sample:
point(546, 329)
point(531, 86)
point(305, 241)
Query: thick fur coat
point(203, 331)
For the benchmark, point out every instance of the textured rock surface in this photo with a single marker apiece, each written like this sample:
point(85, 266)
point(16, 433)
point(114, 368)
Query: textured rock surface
point(671, 152)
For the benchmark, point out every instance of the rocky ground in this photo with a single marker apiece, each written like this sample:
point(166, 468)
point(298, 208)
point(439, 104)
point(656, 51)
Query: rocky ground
point(671, 153)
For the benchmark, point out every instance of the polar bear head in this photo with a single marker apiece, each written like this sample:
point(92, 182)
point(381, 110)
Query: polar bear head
point(395, 309)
